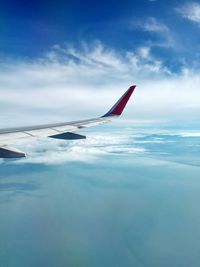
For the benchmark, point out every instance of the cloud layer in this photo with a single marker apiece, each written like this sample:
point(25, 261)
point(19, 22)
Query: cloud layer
point(97, 144)
point(166, 145)
point(70, 83)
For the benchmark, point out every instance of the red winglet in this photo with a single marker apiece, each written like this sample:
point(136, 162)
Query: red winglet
point(118, 108)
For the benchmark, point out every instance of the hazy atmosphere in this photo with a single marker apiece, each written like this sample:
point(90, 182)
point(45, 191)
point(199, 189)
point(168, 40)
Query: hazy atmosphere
point(127, 195)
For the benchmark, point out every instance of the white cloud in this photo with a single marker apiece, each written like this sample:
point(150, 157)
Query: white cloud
point(190, 11)
point(98, 145)
point(190, 134)
point(68, 84)
point(152, 25)
point(53, 152)
point(159, 29)
point(144, 52)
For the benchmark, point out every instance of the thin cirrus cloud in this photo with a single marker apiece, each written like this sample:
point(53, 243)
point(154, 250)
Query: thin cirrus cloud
point(153, 26)
point(190, 11)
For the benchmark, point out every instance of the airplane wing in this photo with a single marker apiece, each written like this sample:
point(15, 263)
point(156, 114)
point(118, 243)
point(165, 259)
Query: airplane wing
point(66, 130)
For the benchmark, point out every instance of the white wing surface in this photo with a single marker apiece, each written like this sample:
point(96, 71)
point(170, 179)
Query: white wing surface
point(65, 130)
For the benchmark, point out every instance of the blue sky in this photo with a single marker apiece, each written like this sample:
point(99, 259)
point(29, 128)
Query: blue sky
point(29, 28)
point(57, 55)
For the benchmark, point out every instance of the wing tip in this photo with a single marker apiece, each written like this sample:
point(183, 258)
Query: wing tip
point(119, 106)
